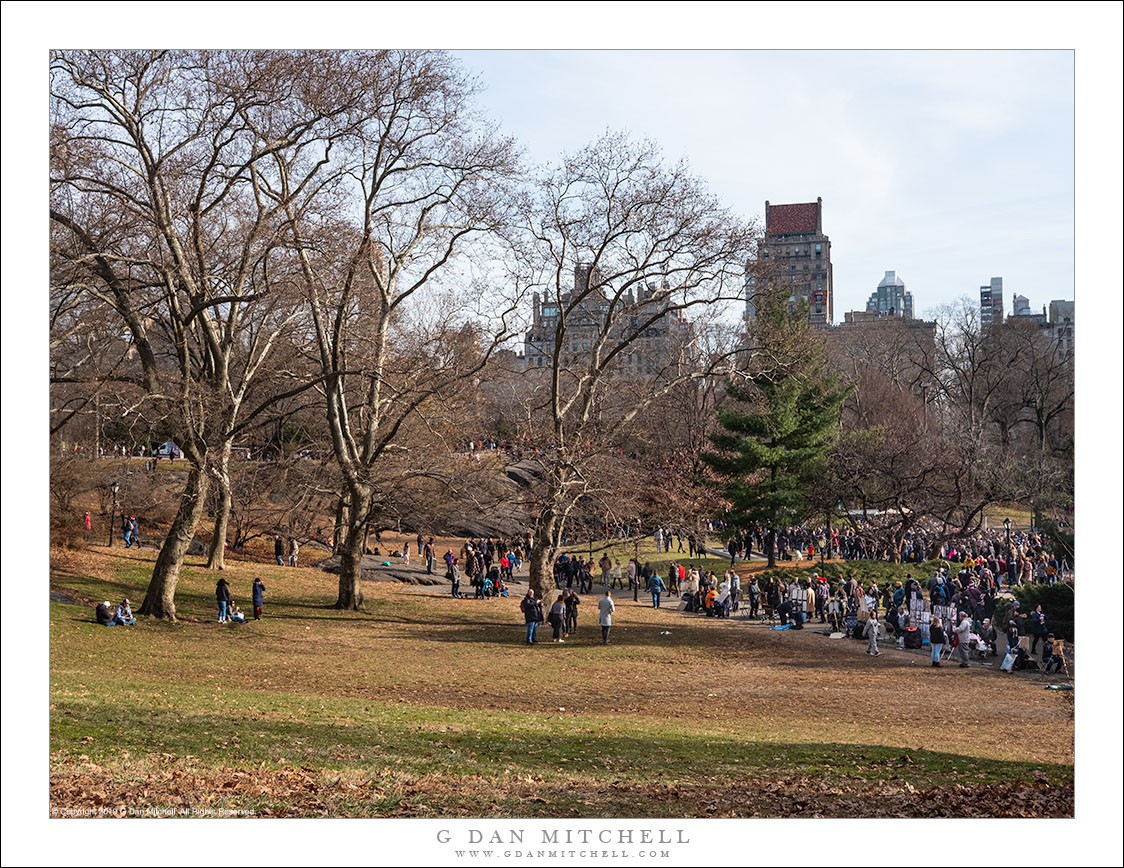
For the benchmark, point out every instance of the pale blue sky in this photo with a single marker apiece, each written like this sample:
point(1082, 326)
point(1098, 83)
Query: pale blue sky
point(949, 167)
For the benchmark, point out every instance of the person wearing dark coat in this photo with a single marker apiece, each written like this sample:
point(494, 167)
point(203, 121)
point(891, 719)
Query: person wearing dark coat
point(258, 594)
point(104, 615)
point(222, 597)
point(532, 615)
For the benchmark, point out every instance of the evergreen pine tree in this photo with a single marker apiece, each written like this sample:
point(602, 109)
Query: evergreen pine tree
point(775, 440)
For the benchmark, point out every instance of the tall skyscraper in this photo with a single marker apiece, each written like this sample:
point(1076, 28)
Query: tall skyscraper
point(796, 250)
point(991, 303)
point(891, 298)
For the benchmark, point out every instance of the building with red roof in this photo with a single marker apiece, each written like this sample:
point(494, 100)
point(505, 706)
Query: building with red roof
point(795, 249)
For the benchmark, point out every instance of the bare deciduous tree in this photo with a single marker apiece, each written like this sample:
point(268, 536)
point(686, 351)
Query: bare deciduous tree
point(625, 251)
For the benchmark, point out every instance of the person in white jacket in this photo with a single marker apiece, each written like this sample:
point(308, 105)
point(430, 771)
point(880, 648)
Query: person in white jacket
point(871, 633)
point(605, 608)
point(963, 631)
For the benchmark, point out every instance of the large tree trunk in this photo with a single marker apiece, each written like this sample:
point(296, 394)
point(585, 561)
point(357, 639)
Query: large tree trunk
point(542, 555)
point(159, 599)
point(215, 559)
point(351, 552)
point(771, 547)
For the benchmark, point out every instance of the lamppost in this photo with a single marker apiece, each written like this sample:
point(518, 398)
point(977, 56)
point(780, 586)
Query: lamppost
point(1007, 525)
point(113, 511)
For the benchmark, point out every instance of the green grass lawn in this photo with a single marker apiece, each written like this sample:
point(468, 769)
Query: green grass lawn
point(423, 705)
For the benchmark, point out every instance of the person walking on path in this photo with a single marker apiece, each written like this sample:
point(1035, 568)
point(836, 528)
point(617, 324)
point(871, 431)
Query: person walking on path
point(963, 632)
point(532, 615)
point(258, 593)
point(605, 608)
point(222, 597)
point(936, 640)
point(655, 588)
point(871, 633)
point(427, 553)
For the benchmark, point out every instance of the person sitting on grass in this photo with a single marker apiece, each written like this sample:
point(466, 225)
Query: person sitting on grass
point(104, 615)
point(124, 614)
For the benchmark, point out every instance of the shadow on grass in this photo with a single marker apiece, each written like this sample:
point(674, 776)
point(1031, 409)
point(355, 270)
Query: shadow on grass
point(425, 740)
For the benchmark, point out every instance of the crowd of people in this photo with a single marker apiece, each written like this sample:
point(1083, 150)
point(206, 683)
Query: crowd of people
point(1012, 557)
point(964, 588)
point(489, 564)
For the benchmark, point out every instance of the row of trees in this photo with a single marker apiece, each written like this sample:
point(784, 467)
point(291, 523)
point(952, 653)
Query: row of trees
point(335, 251)
point(921, 425)
point(241, 238)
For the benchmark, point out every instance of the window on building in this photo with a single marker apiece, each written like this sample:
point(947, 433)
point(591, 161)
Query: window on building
point(819, 249)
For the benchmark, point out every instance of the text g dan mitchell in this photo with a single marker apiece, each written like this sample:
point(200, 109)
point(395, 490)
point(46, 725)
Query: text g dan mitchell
point(563, 836)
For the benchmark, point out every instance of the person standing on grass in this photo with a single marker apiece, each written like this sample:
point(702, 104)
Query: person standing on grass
point(655, 588)
point(605, 608)
point(871, 633)
point(222, 597)
point(427, 553)
point(294, 550)
point(532, 615)
point(936, 640)
point(258, 593)
point(570, 616)
point(556, 617)
point(1038, 630)
point(279, 550)
point(963, 632)
point(87, 523)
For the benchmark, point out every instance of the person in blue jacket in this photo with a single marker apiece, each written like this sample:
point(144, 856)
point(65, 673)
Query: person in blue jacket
point(258, 594)
point(656, 587)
